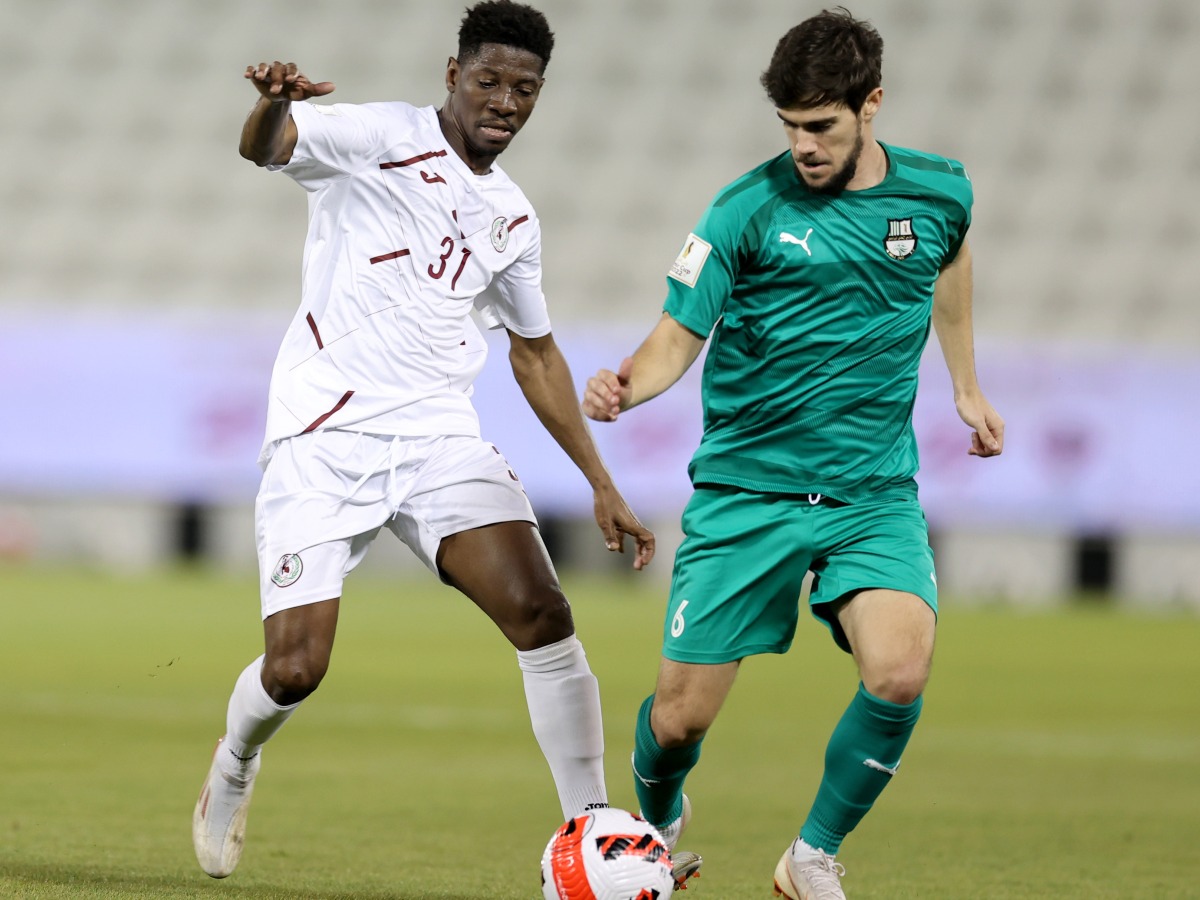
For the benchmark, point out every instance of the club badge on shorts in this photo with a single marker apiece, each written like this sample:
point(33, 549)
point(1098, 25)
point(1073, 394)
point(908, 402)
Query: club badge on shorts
point(287, 570)
point(901, 241)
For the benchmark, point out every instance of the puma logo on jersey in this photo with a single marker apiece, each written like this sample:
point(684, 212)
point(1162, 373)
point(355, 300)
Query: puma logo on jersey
point(786, 238)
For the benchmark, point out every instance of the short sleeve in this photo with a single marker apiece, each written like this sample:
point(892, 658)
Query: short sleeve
point(334, 141)
point(701, 279)
point(514, 300)
point(959, 221)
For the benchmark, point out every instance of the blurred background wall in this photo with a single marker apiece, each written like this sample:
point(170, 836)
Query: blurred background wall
point(147, 272)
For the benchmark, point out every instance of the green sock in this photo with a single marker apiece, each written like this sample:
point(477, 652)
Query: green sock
point(861, 758)
point(662, 800)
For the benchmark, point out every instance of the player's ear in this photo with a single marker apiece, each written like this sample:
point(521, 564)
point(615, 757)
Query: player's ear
point(871, 105)
point(452, 71)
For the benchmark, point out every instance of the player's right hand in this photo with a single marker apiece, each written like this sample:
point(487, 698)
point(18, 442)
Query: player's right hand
point(279, 81)
point(616, 520)
point(607, 392)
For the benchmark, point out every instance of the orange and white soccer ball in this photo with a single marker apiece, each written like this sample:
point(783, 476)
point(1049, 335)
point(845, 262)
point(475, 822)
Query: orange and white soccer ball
point(607, 854)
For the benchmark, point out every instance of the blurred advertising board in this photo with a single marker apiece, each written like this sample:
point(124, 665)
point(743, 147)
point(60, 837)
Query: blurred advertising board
point(171, 407)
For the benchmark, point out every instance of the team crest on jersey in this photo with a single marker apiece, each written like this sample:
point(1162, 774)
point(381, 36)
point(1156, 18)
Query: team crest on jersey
point(287, 570)
point(901, 240)
point(500, 233)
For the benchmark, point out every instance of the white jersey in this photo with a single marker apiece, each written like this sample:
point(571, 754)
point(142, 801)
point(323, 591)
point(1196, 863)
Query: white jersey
point(403, 241)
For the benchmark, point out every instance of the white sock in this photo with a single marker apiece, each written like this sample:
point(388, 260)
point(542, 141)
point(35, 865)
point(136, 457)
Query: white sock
point(564, 708)
point(251, 720)
point(803, 851)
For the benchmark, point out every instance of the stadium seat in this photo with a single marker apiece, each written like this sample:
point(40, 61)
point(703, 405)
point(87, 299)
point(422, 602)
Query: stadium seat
point(1068, 117)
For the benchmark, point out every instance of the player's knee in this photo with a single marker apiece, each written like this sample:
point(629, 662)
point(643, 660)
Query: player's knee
point(677, 727)
point(291, 678)
point(678, 734)
point(542, 618)
point(901, 684)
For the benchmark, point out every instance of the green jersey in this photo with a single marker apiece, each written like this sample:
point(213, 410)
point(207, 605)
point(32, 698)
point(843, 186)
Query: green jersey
point(819, 308)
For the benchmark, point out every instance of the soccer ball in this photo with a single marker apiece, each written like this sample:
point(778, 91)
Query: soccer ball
point(606, 854)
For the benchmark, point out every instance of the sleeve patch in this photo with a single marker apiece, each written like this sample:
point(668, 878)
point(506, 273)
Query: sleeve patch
point(690, 261)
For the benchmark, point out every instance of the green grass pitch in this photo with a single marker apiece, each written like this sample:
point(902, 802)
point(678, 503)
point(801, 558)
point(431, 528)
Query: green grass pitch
point(1059, 753)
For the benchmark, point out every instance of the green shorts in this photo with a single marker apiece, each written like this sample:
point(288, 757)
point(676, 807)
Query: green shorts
point(737, 580)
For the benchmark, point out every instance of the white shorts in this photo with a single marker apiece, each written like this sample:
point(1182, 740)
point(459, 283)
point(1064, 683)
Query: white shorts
point(325, 495)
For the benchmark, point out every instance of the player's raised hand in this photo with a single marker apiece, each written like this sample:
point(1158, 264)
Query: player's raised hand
point(616, 520)
point(284, 81)
point(607, 392)
point(988, 437)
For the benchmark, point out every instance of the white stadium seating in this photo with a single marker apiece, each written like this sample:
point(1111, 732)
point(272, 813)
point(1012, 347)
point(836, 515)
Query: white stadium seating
point(122, 186)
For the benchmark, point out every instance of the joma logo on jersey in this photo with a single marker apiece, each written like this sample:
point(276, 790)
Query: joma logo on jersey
point(901, 240)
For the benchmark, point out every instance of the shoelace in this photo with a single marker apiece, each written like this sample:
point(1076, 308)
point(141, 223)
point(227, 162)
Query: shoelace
point(823, 873)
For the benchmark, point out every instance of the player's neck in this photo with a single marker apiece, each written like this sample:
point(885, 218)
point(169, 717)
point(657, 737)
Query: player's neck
point(872, 166)
point(477, 163)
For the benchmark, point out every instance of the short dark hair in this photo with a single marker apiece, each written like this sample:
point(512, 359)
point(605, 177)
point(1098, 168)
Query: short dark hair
point(507, 23)
point(828, 59)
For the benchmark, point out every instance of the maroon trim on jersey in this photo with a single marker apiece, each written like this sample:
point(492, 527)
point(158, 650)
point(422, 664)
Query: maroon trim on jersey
point(321, 419)
point(312, 323)
point(395, 254)
point(416, 159)
point(515, 222)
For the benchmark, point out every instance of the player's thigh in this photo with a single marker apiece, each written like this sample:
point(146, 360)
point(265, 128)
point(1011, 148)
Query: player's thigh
point(299, 643)
point(891, 634)
point(737, 578)
point(466, 484)
point(687, 698)
point(470, 521)
point(308, 537)
point(869, 546)
point(505, 570)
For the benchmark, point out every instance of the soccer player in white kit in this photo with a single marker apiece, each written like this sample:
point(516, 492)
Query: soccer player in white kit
point(370, 424)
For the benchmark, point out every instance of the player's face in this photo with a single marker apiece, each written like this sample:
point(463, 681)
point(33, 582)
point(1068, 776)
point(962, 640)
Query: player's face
point(492, 94)
point(826, 143)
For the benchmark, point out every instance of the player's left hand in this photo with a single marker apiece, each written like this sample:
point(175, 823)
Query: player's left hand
point(988, 437)
point(616, 520)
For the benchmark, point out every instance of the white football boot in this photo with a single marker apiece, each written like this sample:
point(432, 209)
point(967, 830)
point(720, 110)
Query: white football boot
point(814, 876)
point(219, 820)
point(685, 864)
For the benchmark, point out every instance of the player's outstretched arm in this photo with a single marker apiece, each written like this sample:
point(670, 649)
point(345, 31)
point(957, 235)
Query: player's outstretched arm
point(269, 135)
point(952, 322)
point(545, 379)
point(668, 352)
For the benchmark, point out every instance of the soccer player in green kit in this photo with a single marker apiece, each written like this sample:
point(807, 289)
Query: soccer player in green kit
point(818, 275)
